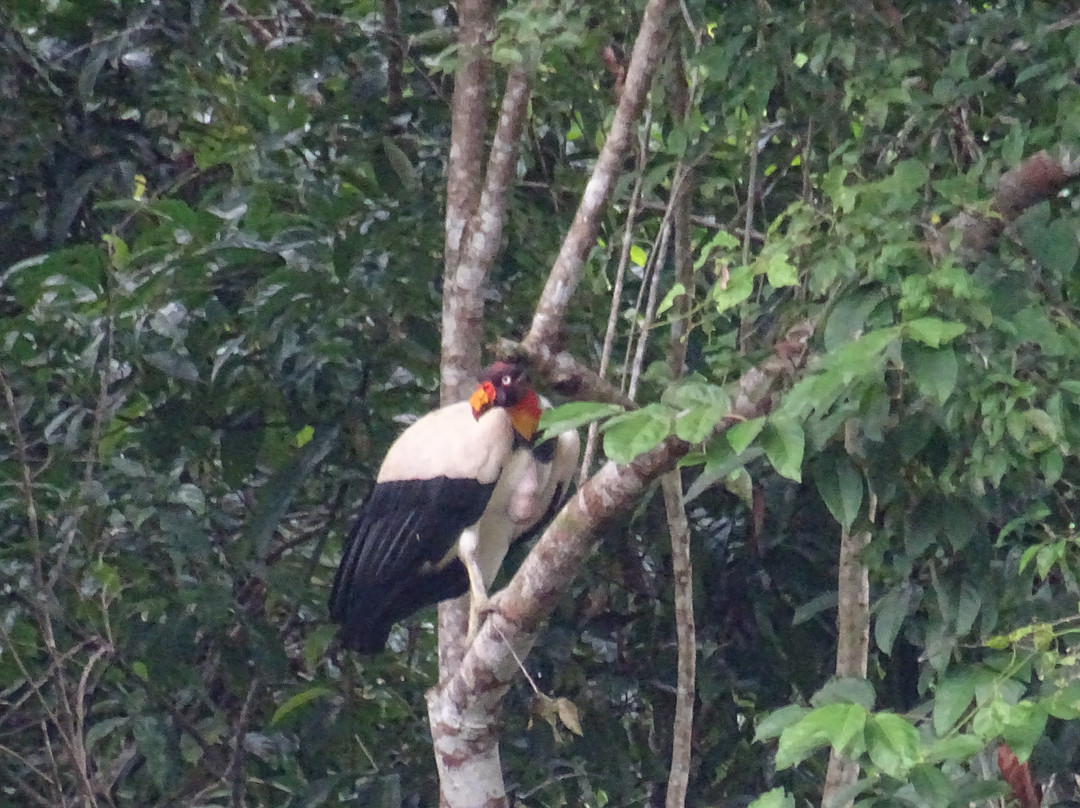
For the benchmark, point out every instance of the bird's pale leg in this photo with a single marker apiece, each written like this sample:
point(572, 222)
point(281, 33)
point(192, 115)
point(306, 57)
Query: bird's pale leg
point(478, 597)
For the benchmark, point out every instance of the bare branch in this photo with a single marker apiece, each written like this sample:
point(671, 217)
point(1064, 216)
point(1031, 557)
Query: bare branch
point(564, 373)
point(620, 277)
point(529, 598)
point(682, 729)
point(852, 624)
point(395, 54)
point(469, 115)
point(463, 290)
point(566, 272)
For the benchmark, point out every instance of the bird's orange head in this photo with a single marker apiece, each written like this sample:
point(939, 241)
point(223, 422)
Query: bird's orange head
point(507, 385)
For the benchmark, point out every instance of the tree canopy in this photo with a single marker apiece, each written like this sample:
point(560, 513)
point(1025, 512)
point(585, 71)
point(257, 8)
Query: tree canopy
point(817, 286)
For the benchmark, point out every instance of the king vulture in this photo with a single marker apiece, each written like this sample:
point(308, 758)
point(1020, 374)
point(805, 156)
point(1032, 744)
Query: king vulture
point(455, 490)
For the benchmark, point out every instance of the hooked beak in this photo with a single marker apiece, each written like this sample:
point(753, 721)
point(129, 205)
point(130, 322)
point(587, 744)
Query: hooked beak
point(482, 399)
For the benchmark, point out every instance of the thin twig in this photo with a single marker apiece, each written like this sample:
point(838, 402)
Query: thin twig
point(620, 276)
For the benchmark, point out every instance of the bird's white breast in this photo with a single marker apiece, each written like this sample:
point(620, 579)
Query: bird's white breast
point(450, 442)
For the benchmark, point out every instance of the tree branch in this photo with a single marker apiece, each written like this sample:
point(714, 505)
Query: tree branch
point(566, 272)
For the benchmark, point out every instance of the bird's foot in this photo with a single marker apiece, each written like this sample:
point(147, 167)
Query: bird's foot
point(479, 609)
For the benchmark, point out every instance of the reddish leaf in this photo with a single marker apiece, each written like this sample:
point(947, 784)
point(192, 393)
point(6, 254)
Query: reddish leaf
point(1018, 776)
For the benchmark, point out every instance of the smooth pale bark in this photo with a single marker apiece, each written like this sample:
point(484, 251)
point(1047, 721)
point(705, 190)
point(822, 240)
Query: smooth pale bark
point(853, 643)
point(564, 276)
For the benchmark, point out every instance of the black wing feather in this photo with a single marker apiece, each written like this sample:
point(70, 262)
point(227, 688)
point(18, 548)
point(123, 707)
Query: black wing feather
point(388, 569)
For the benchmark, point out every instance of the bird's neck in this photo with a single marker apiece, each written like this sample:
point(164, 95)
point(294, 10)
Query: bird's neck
point(525, 415)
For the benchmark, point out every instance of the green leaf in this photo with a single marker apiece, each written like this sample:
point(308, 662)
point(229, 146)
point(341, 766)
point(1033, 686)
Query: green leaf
point(694, 425)
point(669, 298)
point(823, 602)
point(573, 415)
point(932, 786)
point(401, 164)
point(777, 798)
point(1024, 726)
point(955, 747)
point(781, 272)
point(892, 609)
point(1054, 246)
point(739, 286)
point(784, 444)
point(908, 176)
point(934, 370)
point(777, 721)
point(952, 698)
point(275, 497)
point(742, 434)
point(723, 240)
point(693, 392)
point(932, 331)
point(838, 725)
point(174, 365)
point(631, 434)
point(638, 256)
point(845, 690)
point(893, 744)
point(840, 485)
point(297, 701)
point(304, 436)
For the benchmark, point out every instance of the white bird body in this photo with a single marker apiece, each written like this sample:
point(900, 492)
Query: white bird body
point(454, 491)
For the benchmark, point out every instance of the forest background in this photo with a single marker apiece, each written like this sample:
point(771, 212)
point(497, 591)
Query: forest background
point(818, 258)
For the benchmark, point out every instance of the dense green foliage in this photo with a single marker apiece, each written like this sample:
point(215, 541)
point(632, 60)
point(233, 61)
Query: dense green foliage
point(220, 268)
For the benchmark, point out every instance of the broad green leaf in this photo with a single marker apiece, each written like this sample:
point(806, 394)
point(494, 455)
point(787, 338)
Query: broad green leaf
point(1054, 246)
point(932, 786)
point(573, 415)
point(781, 272)
point(893, 744)
point(777, 798)
point(840, 485)
point(694, 425)
point(1024, 725)
point(908, 176)
point(276, 495)
point(845, 690)
point(848, 317)
point(401, 164)
point(304, 436)
point(174, 365)
point(297, 701)
point(638, 256)
point(741, 435)
point(669, 298)
point(777, 721)
point(784, 444)
point(934, 370)
point(631, 434)
point(695, 393)
point(1065, 703)
point(737, 289)
point(891, 611)
point(722, 240)
point(959, 748)
point(933, 331)
point(838, 725)
point(952, 698)
point(823, 602)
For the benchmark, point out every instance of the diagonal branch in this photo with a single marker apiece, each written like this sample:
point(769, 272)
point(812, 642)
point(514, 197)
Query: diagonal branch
point(463, 290)
point(566, 272)
point(527, 601)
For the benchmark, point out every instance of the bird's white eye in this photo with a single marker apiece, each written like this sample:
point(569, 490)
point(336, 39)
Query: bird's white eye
point(506, 380)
